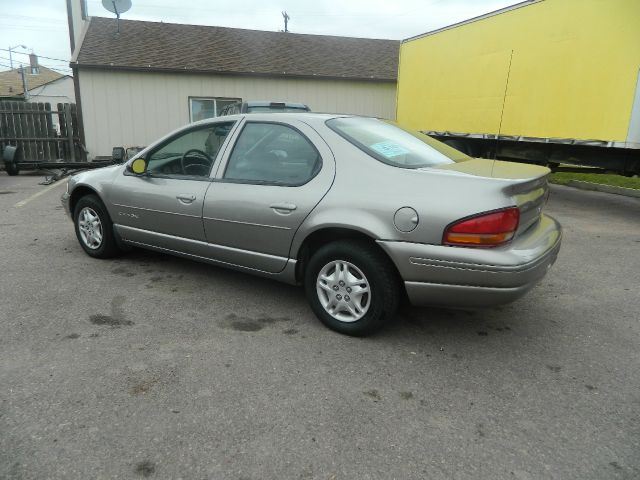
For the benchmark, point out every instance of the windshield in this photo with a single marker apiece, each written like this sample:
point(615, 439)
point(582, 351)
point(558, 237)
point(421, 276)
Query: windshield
point(394, 145)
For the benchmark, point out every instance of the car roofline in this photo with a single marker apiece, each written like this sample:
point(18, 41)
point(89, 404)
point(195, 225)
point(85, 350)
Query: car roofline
point(276, 115)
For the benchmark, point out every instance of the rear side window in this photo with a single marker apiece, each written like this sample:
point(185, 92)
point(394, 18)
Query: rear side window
point(274, 154)
point(394, 145)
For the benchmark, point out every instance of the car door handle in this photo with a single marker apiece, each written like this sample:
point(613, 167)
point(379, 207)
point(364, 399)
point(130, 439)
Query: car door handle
point(289, 207)
point(186, 198)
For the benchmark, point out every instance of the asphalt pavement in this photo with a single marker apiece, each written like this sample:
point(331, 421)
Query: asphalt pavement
point(150, 366)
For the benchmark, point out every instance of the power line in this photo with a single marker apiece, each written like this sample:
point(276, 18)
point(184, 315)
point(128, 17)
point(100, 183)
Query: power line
point(265, 11)
point(32, 28)
point(52, 67)
point(60, 71)
point(57, 68)
point(301, 13)
point(30, 18)
point(39, 56)
point(56, 65)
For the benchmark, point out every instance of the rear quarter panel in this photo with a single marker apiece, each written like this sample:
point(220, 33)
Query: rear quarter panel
point(366, 194)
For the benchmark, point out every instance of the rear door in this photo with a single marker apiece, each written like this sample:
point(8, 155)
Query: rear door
point(268, 182)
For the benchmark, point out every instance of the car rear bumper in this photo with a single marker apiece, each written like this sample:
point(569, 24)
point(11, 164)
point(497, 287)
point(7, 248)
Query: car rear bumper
point(474, 277)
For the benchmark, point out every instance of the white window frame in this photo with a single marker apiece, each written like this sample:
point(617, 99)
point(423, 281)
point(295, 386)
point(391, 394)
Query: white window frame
point(215, 100)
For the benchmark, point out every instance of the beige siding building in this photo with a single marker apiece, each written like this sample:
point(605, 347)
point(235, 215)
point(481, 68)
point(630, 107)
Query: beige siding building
point(136, 86)
point(54, 92)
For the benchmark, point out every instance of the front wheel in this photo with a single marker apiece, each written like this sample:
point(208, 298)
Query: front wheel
point(94, 228)
point(352, 287)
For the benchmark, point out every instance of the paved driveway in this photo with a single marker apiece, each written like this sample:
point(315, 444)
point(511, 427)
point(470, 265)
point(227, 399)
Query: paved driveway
point(153, 366)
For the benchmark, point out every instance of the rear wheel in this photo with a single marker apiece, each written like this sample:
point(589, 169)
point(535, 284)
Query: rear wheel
point(351, 287)
point(94, 228)
point(11, 168)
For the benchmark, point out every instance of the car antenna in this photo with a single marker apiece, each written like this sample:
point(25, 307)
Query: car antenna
point(504, 101)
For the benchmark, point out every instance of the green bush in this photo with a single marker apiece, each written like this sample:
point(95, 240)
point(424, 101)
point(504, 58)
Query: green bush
point(562, 178)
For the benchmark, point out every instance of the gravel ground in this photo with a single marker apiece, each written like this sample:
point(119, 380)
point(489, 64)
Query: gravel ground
point(154, 366)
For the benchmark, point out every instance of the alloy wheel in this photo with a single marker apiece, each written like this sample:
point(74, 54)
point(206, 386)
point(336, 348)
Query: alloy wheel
point(90, 228)
point(343, 291)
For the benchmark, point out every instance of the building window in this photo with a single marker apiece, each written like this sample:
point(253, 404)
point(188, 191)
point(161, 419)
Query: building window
point(208, 107)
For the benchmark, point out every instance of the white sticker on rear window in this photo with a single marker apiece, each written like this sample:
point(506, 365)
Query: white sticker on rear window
point(389, 149)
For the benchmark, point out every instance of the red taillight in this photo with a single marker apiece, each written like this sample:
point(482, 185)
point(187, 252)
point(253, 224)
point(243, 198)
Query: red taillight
point(483, 230)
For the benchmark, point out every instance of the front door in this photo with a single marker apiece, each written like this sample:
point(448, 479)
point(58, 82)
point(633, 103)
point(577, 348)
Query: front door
point(163, 207)
point(268, 183)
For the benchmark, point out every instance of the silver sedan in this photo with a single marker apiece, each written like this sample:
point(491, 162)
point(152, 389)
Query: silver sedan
point(358, 210)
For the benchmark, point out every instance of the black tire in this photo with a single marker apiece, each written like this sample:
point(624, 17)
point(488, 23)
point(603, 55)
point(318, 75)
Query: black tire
point(11, 168)
point(108, 247)
point(380, 274)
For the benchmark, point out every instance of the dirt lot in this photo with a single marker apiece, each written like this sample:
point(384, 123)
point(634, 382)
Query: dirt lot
point(153, 366)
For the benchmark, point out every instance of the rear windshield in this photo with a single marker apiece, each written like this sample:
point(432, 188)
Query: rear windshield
point(394, 145)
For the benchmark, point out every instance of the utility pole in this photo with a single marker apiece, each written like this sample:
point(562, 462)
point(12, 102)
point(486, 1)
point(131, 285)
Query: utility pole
point(24, 83)
point(286, 21)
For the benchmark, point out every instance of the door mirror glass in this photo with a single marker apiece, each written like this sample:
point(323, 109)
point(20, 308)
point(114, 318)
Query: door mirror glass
point(138, 166)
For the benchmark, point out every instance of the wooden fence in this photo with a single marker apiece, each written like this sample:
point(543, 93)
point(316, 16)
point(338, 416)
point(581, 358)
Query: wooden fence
point(31, 127)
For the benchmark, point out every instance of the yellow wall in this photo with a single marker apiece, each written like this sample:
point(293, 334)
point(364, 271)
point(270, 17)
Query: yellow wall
point(573, 73)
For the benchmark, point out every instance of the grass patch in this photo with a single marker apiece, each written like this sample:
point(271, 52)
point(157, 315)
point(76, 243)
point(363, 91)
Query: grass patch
point(562, 178)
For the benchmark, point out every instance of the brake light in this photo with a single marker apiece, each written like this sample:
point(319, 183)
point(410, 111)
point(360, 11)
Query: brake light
point(488, 229)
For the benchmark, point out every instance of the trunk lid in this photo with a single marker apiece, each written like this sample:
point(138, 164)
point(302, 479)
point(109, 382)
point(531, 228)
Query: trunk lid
point(527, 185)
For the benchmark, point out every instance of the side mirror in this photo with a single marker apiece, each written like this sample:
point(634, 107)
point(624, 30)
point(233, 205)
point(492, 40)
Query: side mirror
point(138, 166)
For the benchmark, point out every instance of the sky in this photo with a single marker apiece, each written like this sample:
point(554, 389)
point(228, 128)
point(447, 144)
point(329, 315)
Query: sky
point(41, 25)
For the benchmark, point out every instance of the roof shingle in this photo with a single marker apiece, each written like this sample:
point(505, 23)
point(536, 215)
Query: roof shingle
point(169, 46)
point(11, 80)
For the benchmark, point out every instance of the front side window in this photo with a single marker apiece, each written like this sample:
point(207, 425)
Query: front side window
point(205, 107)
point(270, 153)
point(191, 153)
point(394, 145)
